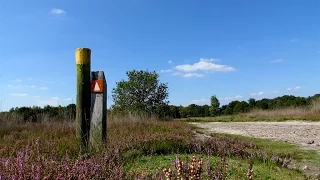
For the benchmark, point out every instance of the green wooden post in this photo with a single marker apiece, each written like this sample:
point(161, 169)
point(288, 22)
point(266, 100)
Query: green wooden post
point(98, 126)
point(83, 56)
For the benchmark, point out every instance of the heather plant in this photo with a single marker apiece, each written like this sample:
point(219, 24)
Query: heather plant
point(32, 163)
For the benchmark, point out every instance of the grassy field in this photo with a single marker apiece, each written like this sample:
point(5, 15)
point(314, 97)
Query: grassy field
point(310, 113)
point(137, 147)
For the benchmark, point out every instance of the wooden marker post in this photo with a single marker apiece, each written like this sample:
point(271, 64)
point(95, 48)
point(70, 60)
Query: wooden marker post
point(83, 56)
point(98, 126)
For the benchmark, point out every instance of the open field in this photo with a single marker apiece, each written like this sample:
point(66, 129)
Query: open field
point(304, 134)
point(137, 147)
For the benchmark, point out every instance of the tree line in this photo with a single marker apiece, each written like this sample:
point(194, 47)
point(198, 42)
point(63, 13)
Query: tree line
point(35, 113)
point(143, 93)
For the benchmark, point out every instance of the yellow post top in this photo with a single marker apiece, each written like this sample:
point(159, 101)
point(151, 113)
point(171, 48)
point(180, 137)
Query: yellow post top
point(83, 55)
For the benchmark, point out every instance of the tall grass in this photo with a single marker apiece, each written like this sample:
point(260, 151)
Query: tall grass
point(308, 112)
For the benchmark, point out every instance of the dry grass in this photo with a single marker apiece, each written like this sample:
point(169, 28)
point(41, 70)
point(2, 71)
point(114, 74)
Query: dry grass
point(311, 112)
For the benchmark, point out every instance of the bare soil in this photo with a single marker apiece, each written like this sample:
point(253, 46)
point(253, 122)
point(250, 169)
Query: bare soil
point(305, 134)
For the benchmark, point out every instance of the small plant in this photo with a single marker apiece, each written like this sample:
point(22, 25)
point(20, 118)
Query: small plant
point(184, 171)
point(250, 172)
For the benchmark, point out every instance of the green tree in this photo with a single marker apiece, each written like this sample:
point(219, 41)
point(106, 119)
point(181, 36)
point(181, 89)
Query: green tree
point(215, 104)
point(141, 93)
point(252, 102)
point(241, 107)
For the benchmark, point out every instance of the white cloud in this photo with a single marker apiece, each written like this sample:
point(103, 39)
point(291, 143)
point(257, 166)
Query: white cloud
point(57, 11)
point(277, 61)
point(257, 94)
point(165, 70)
point(29, 86)
point(188, 75)
point(15, 86)
point(55, 98)
point(18, 80)
point(36, 96)
point(192, 75)
point(170, 62)
point(50, 102)
point(43, 88)
point(295, 88)
point(19, 86)
point(200, 101)
point(19, 94)
point(237, 97)
point(68, 99)
point(204, 65)
point(294, 40)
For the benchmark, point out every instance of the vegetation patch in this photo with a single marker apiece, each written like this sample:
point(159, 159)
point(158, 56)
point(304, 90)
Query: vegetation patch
point(135, 149)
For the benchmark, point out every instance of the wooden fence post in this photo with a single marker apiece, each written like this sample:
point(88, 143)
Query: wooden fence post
point(83, 58)
point(98, 126)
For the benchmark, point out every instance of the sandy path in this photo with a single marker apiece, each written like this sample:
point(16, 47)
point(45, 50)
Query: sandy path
point(305, 134)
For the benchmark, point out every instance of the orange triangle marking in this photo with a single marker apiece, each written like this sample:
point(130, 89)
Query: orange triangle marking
point(96, 87)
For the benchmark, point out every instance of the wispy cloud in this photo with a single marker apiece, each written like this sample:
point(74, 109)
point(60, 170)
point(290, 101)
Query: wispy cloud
point(200, 101)
point(277, 61)
point(257, 94)
point(294, 40)
point(295, 88)
point(18, 94)
point(50, 102)
point(55, 98)
point(206, 65)
point(43, 88)
point(18, 80)
point(57, 11)
point(29, 86)
point(275, 92)
point(231, 98)
point(188, 75)
point(68, 99)
point(165, 70)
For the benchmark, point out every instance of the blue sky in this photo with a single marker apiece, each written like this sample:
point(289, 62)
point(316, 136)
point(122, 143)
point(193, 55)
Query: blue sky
point(233, 49)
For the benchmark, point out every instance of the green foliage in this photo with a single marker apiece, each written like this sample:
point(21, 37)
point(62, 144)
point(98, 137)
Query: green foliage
point(241, 107)
point(215, 104)
point(252, 102)
point(47, 113)
point(141, 93)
